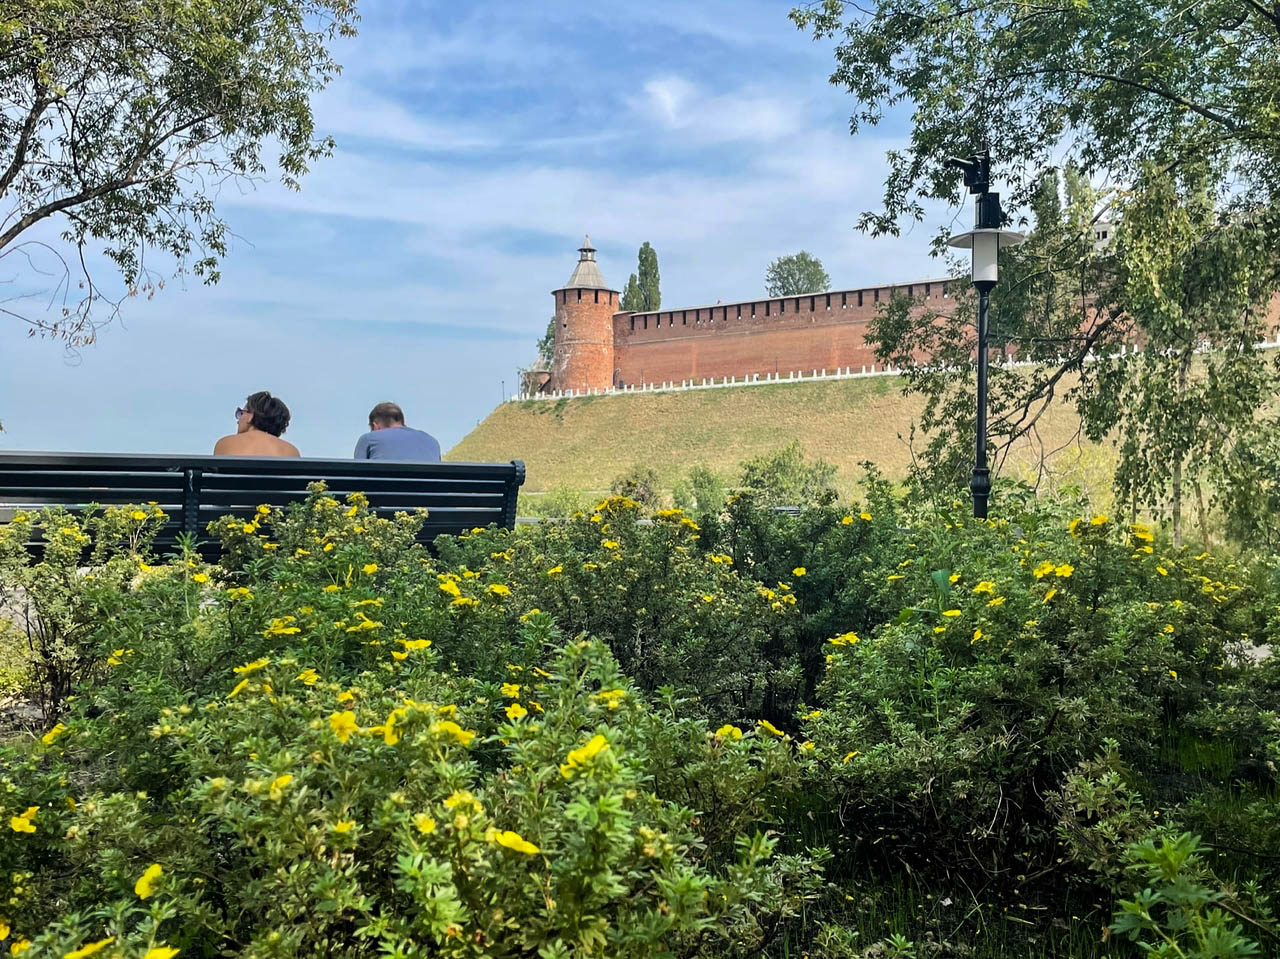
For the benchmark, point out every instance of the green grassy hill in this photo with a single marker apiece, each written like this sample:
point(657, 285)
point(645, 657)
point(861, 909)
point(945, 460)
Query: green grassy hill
point(584, 443)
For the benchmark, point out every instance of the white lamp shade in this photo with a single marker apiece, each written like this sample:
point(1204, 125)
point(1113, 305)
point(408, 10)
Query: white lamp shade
point(986, 245)
point(986, 258)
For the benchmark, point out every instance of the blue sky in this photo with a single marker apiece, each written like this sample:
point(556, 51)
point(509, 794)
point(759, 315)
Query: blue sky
point(477, 143)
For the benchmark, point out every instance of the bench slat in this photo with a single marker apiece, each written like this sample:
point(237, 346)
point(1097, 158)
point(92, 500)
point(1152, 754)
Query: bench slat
point(194, 490)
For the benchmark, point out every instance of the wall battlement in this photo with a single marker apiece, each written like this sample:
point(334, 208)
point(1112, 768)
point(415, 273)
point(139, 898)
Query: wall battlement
point(598, 348)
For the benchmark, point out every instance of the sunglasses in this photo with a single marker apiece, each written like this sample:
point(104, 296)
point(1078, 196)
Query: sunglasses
point(240, 411)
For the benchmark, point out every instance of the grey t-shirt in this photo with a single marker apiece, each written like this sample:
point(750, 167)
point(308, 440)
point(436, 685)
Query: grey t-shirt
point(398, 443)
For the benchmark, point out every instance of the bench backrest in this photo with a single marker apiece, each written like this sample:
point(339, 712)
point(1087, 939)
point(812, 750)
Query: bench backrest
point(193, 490)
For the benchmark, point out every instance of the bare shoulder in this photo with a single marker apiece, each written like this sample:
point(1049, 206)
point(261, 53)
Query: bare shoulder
point(225, 446)
point(288, 449)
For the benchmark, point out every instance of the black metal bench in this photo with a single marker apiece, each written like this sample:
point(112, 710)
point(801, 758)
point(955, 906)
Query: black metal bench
point(193, 490)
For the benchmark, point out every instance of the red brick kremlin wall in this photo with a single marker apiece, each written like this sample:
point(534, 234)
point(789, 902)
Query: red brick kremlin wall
point(824, 331)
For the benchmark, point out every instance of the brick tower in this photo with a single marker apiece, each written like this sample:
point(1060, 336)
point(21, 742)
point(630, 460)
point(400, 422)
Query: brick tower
point(584, 328)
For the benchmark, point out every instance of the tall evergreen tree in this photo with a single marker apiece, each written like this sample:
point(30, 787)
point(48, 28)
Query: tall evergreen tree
point(650, 293)
point(642, 293)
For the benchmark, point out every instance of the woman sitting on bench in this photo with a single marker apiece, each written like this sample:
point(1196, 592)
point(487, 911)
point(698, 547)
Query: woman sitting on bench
point(259, 424)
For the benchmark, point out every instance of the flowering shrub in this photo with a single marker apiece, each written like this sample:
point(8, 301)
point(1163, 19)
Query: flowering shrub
point(629, 733)
point(392, 811)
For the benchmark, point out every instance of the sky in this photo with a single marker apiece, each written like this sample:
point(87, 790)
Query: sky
point(476, 145)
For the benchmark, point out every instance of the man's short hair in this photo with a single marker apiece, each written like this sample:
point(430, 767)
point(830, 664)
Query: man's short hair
point(269, 413)
point(386, 414)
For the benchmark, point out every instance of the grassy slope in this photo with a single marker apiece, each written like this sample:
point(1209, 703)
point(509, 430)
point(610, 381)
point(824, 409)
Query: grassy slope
point(585, 443)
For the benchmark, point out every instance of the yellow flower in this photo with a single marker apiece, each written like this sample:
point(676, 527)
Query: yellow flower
point(49, 738)
point(462, 798)
point(277, 787)
point(516, 842)
point(1071, 527)
point(200, 578)
point(894, 577)
point(1162, 571)
point(23, 823)
point(997, 601)
point(344, 826)
point(799, 571)
point(19, 947)
point(455, 732)
point(986, 586)
point(808, 747)
point(1065, 570)
point(497, 589)
point(708, 598)
point(252, 667)
point(1049, 595)
point(464, 601)
point(511, 690)
point(771, 728)
point(846, 521)
point(848, 756)
point(343, 725)
point(954, 578)
point(346, 696)
point(728, 731)
point(85, 951)
point(1141, 532)
point(1098, 520)
point(137, 516)
point(309, 676)
point(1168, 628)
point(161, 952)
point(369, 568)
point(1043, 570)
point(866, 516)
point(331, 588)
point(610, 544)
point(844, 639)
point(951, 613)
point(146, 884)
point(612, 697)
point(398, 654)
point(555, 571)
point(516, 711)
point(1173, 673)
point(978, 634)
point(4, 930)
point(415, 644)
point(581, 756)
point(426, 825)
point(240, 687)
point(248, 528)
point(450, 587)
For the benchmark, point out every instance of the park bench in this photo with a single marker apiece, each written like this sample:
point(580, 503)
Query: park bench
point(194, 490)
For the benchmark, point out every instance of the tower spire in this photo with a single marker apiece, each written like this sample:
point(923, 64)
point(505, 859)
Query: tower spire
point(586, 274)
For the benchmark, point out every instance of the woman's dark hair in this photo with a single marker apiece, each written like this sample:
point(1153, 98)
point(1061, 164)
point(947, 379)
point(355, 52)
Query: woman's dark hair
point(269, 413)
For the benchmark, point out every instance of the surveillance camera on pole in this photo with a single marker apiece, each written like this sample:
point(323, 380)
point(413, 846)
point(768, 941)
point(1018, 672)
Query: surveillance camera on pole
point(985, 241)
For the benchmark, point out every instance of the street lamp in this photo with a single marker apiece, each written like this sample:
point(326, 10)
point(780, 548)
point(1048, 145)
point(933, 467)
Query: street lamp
point(985, 240)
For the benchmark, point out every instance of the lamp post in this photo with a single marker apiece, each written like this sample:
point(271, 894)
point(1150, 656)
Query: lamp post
point(985, 241)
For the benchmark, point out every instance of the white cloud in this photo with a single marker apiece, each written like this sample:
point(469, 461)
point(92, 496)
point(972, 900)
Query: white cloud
point(678, 106)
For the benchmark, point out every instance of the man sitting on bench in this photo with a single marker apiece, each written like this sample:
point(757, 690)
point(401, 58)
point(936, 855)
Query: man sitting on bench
point(259, 424)
point(389, 439)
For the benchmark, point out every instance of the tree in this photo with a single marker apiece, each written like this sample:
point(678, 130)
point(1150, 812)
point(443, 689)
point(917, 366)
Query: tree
point(547, 343)
point(785, 478)
point(796, 274)
point(122, 122)
point(642, 293)
point(1167, 105)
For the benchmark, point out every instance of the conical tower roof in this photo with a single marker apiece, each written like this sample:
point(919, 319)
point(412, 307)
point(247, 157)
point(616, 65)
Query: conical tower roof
point(586, 275)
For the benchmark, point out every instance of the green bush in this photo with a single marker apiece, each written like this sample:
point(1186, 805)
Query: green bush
point(638, 733)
